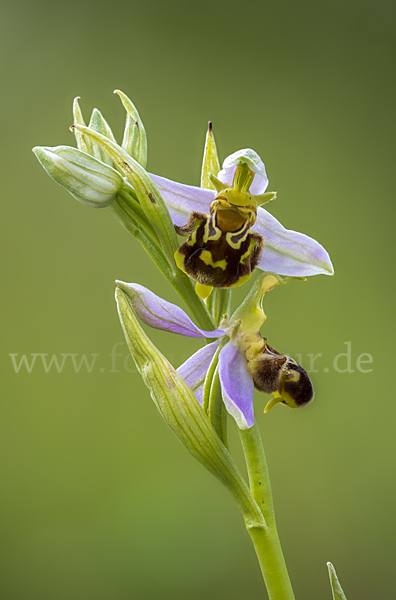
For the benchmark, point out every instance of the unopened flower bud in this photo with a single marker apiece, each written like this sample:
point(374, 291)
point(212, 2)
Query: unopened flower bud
point(87, 179)
point(82, 142)
point(98, 123)
point(135, 138)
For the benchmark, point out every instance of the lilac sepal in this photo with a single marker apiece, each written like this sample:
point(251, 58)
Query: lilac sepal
point(286, 252)
point(182, 199)
point(289, 252)
point(194, 370)
point(236, 385)
point(160, 314)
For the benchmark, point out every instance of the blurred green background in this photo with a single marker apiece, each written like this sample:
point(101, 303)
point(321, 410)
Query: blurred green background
point(99, 500)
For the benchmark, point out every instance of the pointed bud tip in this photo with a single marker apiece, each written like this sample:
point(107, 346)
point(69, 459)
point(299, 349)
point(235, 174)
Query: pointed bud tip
point(41, 152)
point(125, 288)
point(121, 95)
point(119, 293)
point(210, 126)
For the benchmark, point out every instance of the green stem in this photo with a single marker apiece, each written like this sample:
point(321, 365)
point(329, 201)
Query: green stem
point(133, 226)
point(131, 205)
point(266, 541)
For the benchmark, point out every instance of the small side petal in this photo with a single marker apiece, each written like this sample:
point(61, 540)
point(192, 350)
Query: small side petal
point(288, 252)
point(236, 385)
point(182, 199)
point(194, 370)
point(254, 162)
point(160, 314)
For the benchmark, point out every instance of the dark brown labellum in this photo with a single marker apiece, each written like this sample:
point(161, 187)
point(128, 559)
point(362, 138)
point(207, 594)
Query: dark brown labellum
point(297, 383)
point(221, 251)
point(275, 373)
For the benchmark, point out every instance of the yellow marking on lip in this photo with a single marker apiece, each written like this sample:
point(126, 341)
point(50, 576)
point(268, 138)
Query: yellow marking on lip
point(206, 257)
point(247, 253)
point(238, 244)
point(241, 281)
point(213, 237)
point(193, 236)
point(179, 259)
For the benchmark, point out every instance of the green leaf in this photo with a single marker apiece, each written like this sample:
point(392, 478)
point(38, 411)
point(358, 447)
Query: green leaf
point(338, 593)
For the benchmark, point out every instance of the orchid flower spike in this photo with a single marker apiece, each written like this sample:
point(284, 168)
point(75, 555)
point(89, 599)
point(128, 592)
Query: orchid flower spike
point(245, 359)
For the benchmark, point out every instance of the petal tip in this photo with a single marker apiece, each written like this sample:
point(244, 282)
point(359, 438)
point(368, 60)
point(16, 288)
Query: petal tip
point(327, 266)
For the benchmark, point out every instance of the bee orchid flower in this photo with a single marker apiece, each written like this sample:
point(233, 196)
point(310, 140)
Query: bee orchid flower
point(284, 251)
point(245, 360)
